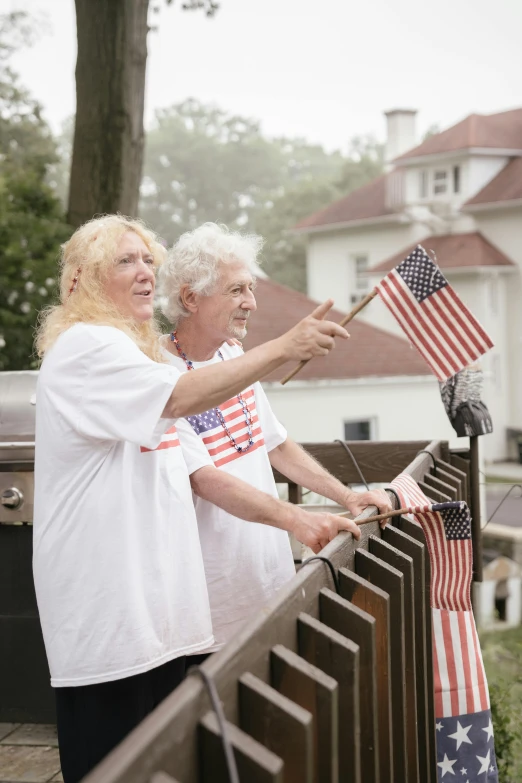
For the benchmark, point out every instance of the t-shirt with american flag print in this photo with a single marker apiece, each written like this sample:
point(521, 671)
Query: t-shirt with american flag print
point(246, 563)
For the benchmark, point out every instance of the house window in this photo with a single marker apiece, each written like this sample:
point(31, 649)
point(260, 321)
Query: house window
point(456, 179)
point(358, 430)
point(440, 181)
point(423, 184)
point(361, 266)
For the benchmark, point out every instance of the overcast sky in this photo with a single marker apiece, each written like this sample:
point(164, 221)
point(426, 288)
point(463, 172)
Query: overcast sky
point(322, 69)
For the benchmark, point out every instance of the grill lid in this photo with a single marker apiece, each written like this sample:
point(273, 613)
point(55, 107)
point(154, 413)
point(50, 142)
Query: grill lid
point(17, 415)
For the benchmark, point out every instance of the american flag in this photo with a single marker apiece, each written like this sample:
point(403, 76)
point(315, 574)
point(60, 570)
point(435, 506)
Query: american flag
point(210, 430)
point(169, 440)
point(465, 745)
point(433, 317)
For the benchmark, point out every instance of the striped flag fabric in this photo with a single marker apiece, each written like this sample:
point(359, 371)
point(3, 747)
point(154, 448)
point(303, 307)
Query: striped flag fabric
point(465, 744)
point(209, 428)
point(169, 440)
point(432, 315)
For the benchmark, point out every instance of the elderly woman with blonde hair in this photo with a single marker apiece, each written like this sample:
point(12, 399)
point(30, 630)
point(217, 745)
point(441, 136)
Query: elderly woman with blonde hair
point(117, 562)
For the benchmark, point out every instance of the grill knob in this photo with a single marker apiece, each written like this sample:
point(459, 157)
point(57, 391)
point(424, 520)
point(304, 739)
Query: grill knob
point(11, 498)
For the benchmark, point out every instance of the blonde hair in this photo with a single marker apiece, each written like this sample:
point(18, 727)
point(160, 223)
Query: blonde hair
point(86, 260)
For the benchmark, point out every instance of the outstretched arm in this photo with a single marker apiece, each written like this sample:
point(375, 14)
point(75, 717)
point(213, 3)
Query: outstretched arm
point(241, 500)
point(209, 386)
point(296, 464)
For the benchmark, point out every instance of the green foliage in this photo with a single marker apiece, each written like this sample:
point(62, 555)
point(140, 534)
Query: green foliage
point(505, 732)
point(31, 220)
point(432, 131)
point(202, 163)
point(502, 653)
point(285, 252)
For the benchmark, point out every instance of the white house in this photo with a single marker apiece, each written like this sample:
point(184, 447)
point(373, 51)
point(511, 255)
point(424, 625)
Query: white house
point(459, 194)
point(373, 386)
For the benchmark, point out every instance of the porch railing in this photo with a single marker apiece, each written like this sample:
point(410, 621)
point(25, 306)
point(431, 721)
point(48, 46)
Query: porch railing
point(323, 687)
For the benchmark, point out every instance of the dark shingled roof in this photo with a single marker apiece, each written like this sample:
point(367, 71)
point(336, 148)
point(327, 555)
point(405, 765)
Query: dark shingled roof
point(362, 204)
point(453, 251)
point(506, 186)
point(493, 131)
point(369, 351)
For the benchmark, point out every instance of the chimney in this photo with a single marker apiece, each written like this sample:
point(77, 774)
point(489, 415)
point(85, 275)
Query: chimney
point(400, 133)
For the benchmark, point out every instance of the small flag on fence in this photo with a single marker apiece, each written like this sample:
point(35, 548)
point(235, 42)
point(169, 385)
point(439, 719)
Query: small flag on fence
point(465, 745)
point(435, 320)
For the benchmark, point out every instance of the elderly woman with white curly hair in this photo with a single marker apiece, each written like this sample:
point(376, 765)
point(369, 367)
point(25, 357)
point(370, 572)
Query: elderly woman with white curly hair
point(208, 296)
point(117, 562)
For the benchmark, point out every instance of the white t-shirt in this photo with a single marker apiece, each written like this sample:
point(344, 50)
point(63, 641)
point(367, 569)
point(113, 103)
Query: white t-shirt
point(117, 562)
point(246, 563)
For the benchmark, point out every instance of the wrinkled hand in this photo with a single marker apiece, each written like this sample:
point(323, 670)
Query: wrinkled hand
point(358, 501)
point(312, 336)
point(316, 530)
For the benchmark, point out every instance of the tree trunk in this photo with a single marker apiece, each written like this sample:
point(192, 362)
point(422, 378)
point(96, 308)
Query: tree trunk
point(110, 92)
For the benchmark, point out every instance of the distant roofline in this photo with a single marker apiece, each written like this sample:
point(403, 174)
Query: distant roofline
point(394, 217)
point(489, 205)
point(461, 152)
point(478, 269)
point(400, 111)
point(363, 380)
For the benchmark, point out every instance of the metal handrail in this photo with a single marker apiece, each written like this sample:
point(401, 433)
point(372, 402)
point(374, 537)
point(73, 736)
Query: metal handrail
point(22, 444)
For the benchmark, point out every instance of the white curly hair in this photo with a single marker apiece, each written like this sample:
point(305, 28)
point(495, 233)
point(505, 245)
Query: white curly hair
point(194, 261)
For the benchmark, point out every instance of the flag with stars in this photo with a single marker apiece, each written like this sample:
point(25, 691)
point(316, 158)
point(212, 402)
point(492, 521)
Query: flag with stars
point(465, 745)
point(209, 428)
point(432, 315)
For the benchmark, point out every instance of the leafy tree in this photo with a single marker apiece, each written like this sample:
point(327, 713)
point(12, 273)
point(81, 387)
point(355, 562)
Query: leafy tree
point(506, 732)
point(31, 220)
point(365, 161)
point(202, 163)
point(284, 255)
point(432, 131)
point(285, 252)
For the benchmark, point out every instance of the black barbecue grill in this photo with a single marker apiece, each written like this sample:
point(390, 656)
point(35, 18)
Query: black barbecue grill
point(25, 692)
point(17, 417)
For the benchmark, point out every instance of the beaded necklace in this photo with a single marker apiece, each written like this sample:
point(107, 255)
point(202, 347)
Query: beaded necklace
point(244, 406)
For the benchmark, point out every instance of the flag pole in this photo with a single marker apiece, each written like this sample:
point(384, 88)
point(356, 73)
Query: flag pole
point(377, 517)
point(357, 309)
point(476, 529)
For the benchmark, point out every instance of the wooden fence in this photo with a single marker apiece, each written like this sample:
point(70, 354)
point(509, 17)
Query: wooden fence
point(324, 687)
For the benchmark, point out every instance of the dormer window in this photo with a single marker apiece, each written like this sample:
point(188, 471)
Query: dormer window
point(440, 181)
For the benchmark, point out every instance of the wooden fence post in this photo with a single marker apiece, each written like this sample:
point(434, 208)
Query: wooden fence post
point(317, 692)
point(338, 657)
point(391, 581)
point(280, 725)
point(359, 626)
point(254, 762)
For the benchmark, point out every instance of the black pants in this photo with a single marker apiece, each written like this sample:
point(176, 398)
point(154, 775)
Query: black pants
point(93, 719)
point(196, 660)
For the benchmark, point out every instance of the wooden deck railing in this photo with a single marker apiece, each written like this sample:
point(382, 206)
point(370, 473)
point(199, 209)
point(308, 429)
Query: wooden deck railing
point(323, 687)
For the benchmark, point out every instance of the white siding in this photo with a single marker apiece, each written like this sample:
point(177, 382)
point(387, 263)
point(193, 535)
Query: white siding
point(330, 258)
point(401, 409)
point(494, 297)
point(480, 169)
point(503, 227)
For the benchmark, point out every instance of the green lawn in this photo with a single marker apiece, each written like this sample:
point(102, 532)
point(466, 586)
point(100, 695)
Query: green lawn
point(502, 652)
